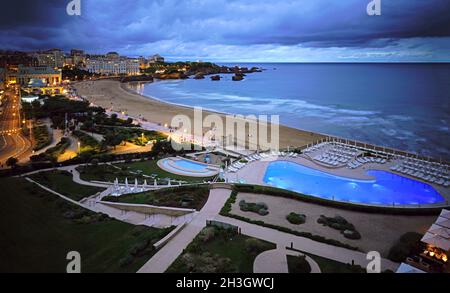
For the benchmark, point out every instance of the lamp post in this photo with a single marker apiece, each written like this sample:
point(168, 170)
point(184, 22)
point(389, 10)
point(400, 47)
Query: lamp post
point(79, 148)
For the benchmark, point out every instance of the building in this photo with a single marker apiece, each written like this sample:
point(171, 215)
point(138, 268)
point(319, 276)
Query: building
point(112, 64)
point(434, 247)
point(143, 63)
point(2, 78)
point(41, 87)
point(156, 59)
point(78, 58)
point(113, 56)
point(76, 52)
point(49, 75)
point(51, 58)
point(12, 59)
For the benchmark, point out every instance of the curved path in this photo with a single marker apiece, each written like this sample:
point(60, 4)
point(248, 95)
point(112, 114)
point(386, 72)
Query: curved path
point(161, 261)
point(275, 262)
point(282, 240)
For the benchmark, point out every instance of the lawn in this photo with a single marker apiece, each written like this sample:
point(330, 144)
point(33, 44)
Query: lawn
point(329, 266)
point(151, 167)
point(191, 197)
point(39, 229)
point(87, 142)
point(132, 171)
point(61, 182)
point(217, 250)
point(298, 265)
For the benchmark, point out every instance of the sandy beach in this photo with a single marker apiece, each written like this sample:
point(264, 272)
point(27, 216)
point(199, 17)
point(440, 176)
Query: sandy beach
point(111, 94)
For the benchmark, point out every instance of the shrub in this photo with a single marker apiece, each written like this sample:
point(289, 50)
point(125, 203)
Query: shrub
point(126, 261)
point(139, 247)
point(207, 234)
point(339, 223)
point(296, 219)
point(263, 212)
point(352, 234)
point(226, 211)
point(260, 208)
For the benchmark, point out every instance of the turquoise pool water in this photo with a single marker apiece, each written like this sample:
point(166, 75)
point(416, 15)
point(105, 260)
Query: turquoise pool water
point(187, 168)
point(189, 165)
point(386, 189)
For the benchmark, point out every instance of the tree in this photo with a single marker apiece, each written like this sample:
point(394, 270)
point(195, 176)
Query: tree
point(12, 162)
point(114, 118)
point(113, 139)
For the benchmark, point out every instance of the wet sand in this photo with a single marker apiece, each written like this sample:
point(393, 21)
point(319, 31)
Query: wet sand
point(111, 94)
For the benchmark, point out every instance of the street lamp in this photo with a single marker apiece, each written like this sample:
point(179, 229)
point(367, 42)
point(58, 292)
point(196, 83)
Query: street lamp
point(79, 148)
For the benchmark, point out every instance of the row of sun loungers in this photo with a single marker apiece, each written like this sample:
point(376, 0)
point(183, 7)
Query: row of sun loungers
point(315, 147)
point(365, 160)
point(336, 155)
point(236, 166)
point(427, 171)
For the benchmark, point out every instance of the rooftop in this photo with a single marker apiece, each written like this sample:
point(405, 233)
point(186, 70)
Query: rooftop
point(38, 70)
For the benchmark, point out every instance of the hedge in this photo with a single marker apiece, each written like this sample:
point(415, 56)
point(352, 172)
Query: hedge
point(226, 211)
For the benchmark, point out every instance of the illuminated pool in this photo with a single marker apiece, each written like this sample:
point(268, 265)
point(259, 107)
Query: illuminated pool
point(386, 189)
point(185, 167)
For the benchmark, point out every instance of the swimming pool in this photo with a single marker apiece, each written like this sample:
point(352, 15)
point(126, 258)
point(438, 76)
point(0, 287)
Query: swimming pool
point(386, 189)
point(181, 166)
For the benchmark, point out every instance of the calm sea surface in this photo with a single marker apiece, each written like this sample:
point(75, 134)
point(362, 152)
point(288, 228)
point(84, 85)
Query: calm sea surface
point(405, 106)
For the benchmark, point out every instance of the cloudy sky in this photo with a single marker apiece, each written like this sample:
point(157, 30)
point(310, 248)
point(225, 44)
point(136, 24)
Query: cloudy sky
point(235, 30)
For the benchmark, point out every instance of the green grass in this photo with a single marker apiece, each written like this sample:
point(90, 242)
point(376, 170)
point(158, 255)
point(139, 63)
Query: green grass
point(87, 142)
point(61, 182)
point(191, 197)
point(148, 168)
point(298, 265)
point(209, 256)
point(151, 167)
point(329, 266)
point(37, 234)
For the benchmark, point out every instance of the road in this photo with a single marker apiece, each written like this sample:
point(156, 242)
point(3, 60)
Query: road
point(12, 142)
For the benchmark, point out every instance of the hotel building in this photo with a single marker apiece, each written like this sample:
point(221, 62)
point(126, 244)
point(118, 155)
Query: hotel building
point(2, 78)
point(112, 64)
point(156, 59)
point(51, 58)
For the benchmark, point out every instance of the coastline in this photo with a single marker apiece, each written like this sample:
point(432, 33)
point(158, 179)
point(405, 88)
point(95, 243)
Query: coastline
point(111, 94)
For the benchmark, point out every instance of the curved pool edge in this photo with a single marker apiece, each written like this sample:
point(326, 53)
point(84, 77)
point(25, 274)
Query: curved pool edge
point(441, 202)
point(181, 171)
point(425, 209)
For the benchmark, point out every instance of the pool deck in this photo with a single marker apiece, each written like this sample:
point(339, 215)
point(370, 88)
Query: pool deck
point(254, 173)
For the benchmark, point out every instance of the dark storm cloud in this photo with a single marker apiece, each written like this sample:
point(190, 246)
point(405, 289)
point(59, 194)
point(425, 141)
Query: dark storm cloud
point(134, 26)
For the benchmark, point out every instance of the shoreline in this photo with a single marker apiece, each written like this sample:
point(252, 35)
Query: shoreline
point(288, 136)
point(111, 94)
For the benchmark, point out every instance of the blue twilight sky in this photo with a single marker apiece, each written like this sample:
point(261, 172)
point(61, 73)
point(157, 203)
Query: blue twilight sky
point(235, 30)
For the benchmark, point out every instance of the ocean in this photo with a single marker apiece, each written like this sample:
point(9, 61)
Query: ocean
point(404, 106)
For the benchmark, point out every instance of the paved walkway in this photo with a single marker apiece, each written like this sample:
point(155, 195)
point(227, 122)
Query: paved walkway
point(161, 261)
point(283, 240)
point(275, 262)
